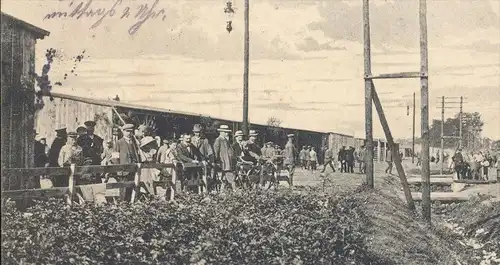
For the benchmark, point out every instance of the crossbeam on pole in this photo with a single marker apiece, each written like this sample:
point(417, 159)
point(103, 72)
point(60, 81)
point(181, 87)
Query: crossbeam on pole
point(451, 137)
point(396, 75)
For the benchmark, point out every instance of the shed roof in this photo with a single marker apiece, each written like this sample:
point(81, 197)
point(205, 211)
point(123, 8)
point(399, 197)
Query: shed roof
point(120, 104)
point(39, 33)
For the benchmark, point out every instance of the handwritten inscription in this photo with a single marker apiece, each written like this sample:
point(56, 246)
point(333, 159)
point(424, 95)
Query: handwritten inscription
point(86, 10)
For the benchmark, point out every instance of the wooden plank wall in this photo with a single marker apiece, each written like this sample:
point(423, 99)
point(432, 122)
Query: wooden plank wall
point(18, 60)
point(70, 114)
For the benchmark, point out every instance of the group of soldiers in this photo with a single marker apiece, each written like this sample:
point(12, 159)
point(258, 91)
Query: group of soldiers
point(82, 147)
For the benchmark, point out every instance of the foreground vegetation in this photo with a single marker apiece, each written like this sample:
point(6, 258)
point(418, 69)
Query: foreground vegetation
point(282, 227)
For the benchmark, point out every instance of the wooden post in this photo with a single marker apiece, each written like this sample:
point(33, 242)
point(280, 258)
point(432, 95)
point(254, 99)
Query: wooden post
point(460, 120)
point(205, 184)
point(174, 181)
point(394, 149)
point(71, 186)
point(246, 68)
point(368, 95)
point(137, 182)
point(424, 90)
point(441, 156)
point(413, 140)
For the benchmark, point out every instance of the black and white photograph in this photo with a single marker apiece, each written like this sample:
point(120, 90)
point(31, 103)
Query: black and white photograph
point(232, 132)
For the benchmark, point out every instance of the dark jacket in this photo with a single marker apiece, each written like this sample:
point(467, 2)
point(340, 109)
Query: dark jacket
point(92, 148)
point(188, 153)
point(54, 151)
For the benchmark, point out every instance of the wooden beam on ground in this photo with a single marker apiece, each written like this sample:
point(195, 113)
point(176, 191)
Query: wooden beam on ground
point(396, 75)
point(443, 181)
point(473, 181)
point(443, 196)
point(394, 149)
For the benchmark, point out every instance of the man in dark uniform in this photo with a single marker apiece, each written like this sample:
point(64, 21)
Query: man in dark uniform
point(55, 148)
point(91, 144)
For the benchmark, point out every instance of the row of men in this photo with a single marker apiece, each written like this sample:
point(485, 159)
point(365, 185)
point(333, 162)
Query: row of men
point(87, 149)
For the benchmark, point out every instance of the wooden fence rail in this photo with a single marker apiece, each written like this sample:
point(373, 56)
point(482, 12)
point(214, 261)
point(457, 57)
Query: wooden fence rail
point(73, 170)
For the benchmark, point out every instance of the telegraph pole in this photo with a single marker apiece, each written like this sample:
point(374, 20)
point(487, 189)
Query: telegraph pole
point(368, 95)
point(413, 140)
point(441, 156)
point(460, 118)
point(424, 105)
point(246, 68)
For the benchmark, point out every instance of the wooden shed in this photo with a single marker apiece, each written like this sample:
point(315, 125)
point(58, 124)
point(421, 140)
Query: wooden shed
point(18, 61)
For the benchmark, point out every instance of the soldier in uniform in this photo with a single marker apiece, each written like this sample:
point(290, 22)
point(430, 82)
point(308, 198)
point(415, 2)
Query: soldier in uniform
point(290, 154)
point(91, 144)
point(204, 147)
point(55, 148)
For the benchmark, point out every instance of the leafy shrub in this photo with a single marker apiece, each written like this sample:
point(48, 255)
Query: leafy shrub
point(250, 228)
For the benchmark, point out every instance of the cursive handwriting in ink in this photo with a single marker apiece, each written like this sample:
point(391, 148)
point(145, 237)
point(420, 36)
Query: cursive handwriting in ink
point(85, 9)
point(145, 14)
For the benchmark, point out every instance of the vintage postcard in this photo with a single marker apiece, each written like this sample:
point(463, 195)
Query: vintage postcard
point(250, 131)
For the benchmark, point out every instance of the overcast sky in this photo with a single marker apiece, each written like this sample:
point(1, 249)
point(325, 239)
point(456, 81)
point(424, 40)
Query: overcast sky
point(306, 58)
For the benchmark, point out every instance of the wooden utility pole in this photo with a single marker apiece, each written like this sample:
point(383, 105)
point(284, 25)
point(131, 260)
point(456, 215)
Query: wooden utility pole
point(368, 95)
point(441, 156)
point(413, 140)
point(460, 120)
point(424, 105)
point(246, 68)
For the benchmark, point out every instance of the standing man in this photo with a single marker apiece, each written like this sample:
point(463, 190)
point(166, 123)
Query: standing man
point(458, 160)
point(289, 154)
point(71, 153)
point(40, 152)
point(55, 148)
point(252, 143)
point(188, 153)
point(328, 160)
point(388, 159)
point(341, 157)
point(313, 158)
point(91, 144)
point(350, 159)
point(202, 144)
point(126, 152)
point(224, 154)
point(361, 159)
point(238, 144)
point(303, 158)
point(162, 152)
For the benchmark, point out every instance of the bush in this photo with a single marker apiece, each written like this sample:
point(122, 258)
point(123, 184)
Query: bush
point(249, 228)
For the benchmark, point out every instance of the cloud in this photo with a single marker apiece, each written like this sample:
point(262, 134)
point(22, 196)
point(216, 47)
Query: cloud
point(396, 24)
point(286, 107)
point(325, 80)
point(311, 44)
point(479, 46)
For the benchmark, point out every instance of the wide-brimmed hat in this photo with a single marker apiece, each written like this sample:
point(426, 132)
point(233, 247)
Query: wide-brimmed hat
point(197, 128)
point(238, 133)
point(89, 123)
point(147, 140)
point(127, 127)
point(291, 135)
point(72, 134)
point(224, 128)
point(253, 133)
